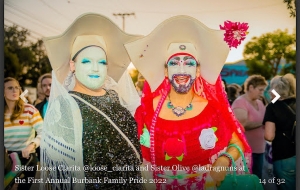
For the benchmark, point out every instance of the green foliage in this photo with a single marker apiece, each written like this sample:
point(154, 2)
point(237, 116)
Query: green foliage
point(291, 5)
point(24, 60)
point(263, 55)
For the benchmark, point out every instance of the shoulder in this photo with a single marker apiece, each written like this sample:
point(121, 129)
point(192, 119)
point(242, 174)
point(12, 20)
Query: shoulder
point(40, 104)
point(30, 107)
point(156, 100)
point(240, 99)
point(278, 106)
point(289, 101)
point(240, 102)
point(260, 103)
point(270, 107)
point(112, 92)
point(113, 95)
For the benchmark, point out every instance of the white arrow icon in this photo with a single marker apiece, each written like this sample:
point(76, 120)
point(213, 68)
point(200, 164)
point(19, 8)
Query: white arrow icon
point(277, 96)
point(22, 96)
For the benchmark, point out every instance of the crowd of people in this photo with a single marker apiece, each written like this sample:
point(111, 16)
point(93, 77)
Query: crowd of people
point(266, 121)
point(184, 113)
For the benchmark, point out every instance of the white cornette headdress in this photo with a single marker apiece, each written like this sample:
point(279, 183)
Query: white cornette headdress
point(179, 34)
point(61, 142)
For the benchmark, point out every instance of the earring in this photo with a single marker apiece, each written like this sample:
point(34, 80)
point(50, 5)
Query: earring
point(107, 82)
point(198, 86)
point(68, 80)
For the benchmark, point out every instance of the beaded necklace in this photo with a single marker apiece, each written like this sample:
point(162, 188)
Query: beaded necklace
point(178, 110)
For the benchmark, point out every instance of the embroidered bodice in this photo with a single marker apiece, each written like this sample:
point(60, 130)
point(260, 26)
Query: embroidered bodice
point(190, 141)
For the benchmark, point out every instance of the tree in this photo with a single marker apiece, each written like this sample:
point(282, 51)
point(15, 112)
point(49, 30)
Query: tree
point(263, 55)
point(291, 5)
point(23, 59)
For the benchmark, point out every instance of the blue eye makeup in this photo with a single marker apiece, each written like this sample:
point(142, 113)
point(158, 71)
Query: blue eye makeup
point(191, 62)
point(85, 60)
point(103, 62)
point(172, 62)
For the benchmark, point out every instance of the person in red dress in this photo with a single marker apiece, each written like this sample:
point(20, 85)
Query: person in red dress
point(185, 121)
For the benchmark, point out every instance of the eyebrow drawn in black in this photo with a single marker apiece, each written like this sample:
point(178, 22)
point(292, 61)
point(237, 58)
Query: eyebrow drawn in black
point(187, 57)
point(176, 58)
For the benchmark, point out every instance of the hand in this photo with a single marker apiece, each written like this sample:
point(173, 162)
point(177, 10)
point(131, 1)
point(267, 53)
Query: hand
point(218, 171)
point(29, 149)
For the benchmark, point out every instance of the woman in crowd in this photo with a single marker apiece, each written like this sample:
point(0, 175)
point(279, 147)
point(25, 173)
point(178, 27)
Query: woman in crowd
point(237, 86)
point(76, 133)
point(280, 126)
point(139, 85)
point(232, 94)
point(184, 118)
point(21, 122)
point(249, 110)
point(225, 86)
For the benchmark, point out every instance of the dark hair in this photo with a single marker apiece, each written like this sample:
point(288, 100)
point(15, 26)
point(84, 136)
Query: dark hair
point(19, 107)
point(232, 92)
point(225, 85)
point(77, 53)
point(264, 100)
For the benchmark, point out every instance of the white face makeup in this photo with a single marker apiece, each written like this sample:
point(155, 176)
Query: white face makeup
point(182, 72)
point(91, 67)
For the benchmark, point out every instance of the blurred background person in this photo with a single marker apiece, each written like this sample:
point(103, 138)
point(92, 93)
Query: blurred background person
point(139, 85)
point(280, 124)
point(249, 110)
point(40, 93)
point(21, 121)
point(237, 86)
point(224, 85)
point(45, 83)
point(243, 89)
point(263, 99)
point(232, 94)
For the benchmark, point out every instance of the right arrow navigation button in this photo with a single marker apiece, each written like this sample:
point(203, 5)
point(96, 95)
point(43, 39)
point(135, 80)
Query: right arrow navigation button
point(277, 96)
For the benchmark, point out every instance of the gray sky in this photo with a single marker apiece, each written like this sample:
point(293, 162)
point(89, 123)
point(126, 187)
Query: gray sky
point(51, 17)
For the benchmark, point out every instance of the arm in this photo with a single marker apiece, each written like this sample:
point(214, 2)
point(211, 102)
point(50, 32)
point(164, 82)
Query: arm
point(269, 131)
point(37, 123)
point(223, 161)
point(233, 151)
point(242, 116)
point(269, 121)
